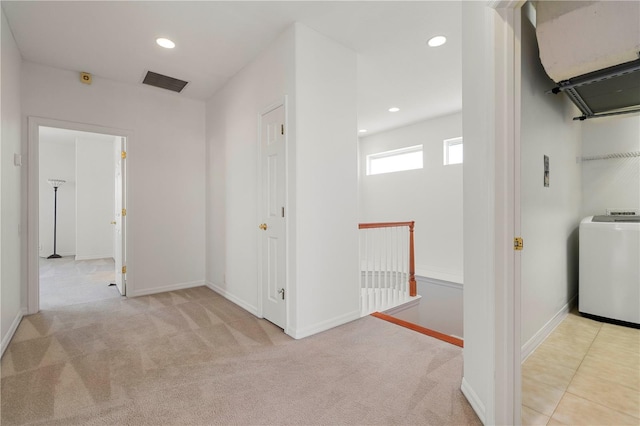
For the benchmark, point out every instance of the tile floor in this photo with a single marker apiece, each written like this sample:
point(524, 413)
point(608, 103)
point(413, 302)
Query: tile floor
point(67, 281)
point(585, 373)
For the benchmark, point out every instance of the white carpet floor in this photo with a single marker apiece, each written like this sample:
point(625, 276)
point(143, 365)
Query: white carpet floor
point(67, 281)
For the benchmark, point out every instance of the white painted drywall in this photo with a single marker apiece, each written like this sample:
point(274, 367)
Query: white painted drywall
point(95, 192)
point(431, 196)
point(478, 207)
point(12, 235)
point(57, 160)
point(327, 281)
point(322, 190)
point(165, 166)
point(611, 183)
point(233, 117)
point(550, 215)
point(439, 308)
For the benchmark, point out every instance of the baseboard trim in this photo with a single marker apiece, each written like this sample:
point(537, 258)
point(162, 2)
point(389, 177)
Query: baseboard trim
point(323, 326)
point(535, 341)
point(446, 276)
point(6, 339)
point(105, 256)
point(65, 254)
point(474, 400)
point(434, 281)
point(414, 301)
point(165, 288)
point(224, 293)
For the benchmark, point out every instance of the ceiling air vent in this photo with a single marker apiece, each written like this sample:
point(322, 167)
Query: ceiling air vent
point(164, 82)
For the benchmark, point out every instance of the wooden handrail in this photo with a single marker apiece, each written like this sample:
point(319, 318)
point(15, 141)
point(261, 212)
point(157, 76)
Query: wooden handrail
point(412, 266)
point(384, 225)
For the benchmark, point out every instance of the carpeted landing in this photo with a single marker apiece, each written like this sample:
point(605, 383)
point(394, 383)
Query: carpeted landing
point(67, 281)
point(192, 357)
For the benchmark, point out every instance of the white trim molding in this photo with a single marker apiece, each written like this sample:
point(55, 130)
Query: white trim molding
point(323, 326)
point(95, 257)
point(491, 310)
point(224, 293)
point(414, 301)
point(33, 273)
point(6, 339)
point(507, 389)
point(443, 283)
point(474, 400)
point(433, 272)
point(164, 288)
point(545, 331)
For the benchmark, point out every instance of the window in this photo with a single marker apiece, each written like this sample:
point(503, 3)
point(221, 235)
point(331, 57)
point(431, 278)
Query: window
point(452, 151)
point(395, 161)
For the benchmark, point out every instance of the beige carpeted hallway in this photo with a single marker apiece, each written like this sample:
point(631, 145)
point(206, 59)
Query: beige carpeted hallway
point(192, 357)
point(67, 281)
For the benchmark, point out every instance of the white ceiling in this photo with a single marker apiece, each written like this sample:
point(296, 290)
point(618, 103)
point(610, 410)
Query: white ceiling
point(116, 40)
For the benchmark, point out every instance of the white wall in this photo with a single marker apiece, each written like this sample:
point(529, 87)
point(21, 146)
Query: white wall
point(165, 166)
point(431, 196)
point(478, 208)
point(95, 193)
point(440, 307)
point(11, 227)
point(319, 84)
point(57, 161)
point(611, 183)
point(550, 215)
point(326, 182)
point(233, 116)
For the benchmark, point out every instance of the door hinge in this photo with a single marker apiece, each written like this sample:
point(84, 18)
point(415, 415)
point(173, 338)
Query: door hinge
point(282, 129)
point(124, 269)
point(123, 154)
point(124, 212)
point(518, 243)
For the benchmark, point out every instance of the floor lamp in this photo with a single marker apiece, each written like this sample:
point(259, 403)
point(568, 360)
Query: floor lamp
point(56, 183)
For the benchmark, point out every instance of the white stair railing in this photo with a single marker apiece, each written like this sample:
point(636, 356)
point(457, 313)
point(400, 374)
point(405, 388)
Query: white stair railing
point(387, 266)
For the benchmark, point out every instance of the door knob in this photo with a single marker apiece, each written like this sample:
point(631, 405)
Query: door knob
point(113, 222)
point(263, 226)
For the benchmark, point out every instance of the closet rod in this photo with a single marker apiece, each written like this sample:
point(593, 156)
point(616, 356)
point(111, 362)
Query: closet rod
point(630, 154)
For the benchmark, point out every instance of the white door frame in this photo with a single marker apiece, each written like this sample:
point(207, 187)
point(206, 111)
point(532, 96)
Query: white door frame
point(493, 354)
point(33, 212)
point(507, 389)
point(259, 213)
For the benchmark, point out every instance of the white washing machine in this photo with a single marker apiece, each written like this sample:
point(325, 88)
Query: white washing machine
point(610, 267)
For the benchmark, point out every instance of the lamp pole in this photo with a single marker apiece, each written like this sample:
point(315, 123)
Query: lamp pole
point(56, 183)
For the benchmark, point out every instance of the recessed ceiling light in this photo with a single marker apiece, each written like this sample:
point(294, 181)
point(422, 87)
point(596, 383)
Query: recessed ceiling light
point(437, 41)
point(394, 109)
point(166, 43)
point(362, 131)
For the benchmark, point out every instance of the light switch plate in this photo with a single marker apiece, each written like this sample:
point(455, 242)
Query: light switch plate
point(17, 160)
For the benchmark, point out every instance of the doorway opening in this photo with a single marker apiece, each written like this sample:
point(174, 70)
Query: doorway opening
point(77, 209)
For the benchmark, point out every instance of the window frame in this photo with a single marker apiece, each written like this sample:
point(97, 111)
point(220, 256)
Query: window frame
point(448, 143)
point(394, 153)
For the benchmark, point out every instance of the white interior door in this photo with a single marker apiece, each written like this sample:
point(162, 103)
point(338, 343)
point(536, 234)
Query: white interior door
point(120, 215)
point(273, 229)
